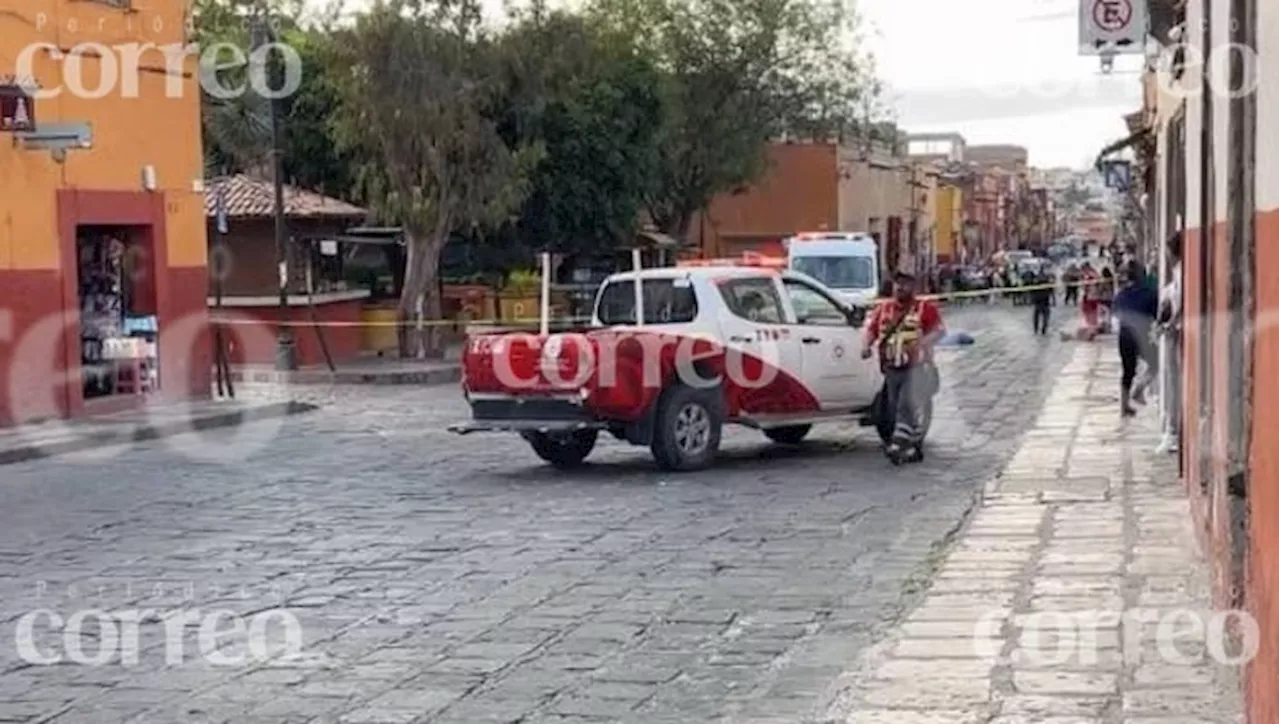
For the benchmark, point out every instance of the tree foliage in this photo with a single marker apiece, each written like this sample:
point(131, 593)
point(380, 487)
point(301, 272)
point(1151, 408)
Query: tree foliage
point(594, 108)
point(420, 78)
point(237, 130)
point(563, 130)
point(737, 74)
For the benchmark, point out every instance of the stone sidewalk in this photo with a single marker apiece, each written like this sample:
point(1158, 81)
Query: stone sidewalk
point(1076, 595)
point(153, 421)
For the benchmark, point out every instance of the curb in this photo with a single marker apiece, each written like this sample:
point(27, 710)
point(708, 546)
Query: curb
point(444, 376)
point(144, 432)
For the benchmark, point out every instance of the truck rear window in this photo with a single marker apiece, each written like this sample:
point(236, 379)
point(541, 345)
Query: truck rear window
point(666, 301)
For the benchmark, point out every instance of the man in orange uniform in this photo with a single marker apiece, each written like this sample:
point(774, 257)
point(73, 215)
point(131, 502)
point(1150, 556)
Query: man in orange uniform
point(904, 331)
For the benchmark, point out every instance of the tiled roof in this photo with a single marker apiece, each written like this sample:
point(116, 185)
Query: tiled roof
point(248, 197)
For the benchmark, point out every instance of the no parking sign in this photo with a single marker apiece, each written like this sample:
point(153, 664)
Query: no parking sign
point(1112, 27)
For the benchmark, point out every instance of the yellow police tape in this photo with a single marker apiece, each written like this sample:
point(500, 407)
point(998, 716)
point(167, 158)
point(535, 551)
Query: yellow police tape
point(534, 321)
point(412, 324)
point(994, 291)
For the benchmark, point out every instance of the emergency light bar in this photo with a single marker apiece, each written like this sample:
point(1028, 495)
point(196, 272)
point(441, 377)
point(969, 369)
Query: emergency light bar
point(748, 259)
point(829, 236)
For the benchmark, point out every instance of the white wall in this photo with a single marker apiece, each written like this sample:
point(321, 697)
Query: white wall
point(1220, 69)
point(1194, 29)
point(1269, 97)
point(1265, 191)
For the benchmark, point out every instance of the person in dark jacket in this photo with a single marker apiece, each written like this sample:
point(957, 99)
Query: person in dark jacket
point(1071, 285)
point(1041, 299)
point(1135, 307)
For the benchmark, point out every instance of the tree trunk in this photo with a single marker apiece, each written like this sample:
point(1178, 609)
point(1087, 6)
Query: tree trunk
point(420, 308)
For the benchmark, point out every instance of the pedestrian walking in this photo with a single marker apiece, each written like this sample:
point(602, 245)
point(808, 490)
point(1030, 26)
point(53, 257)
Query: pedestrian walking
point(1135, 307)
point(1089, 298)
point(1106, 300)
point(1071, 283)
point(1041, 301)
point(904, 331)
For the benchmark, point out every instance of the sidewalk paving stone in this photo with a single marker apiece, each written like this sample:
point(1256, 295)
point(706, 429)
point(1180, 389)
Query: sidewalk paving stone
point(1058, 586)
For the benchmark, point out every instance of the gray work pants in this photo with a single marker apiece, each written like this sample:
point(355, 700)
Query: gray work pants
point(907, 390)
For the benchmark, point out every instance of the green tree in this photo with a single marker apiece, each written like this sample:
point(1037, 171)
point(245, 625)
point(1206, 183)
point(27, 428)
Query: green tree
point(237, 129)
point(738, 74)
point(594, 108)
point(313, 158)
point(421, 76)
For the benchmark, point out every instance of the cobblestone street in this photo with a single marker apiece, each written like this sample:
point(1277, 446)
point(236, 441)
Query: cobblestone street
point(446, 579)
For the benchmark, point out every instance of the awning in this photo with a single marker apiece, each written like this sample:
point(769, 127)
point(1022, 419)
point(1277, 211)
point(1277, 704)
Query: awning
point(655, 240)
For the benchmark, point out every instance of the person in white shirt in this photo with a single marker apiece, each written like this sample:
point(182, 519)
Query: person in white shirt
point(1169, 323)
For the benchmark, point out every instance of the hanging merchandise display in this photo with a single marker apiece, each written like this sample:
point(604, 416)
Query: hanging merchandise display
point(117, 350)
point(101, 310)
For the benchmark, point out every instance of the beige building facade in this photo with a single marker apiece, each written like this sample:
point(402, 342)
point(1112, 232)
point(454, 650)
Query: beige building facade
point(827, 187)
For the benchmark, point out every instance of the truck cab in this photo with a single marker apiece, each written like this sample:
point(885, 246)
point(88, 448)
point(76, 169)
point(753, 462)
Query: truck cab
point(847, 262)
point(671, 356)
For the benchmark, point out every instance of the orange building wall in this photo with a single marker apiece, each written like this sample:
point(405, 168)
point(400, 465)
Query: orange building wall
point(1211, 514)
point(799, 192)
point(1263, 584)
point(1264, 498)
point(38, 210)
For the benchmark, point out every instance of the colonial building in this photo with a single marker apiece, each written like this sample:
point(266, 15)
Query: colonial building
point(1208, 164)
point(102, 236)
point(827, 187)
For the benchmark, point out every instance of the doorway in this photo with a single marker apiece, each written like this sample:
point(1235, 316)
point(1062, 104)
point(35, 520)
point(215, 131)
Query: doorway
point(116, 300)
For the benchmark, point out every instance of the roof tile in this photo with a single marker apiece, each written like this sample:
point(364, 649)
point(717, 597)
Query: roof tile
point(248, 197)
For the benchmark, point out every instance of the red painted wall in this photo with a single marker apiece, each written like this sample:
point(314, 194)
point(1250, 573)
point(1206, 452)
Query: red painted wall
point(29, 370)
point(40, 335)
point(251, 339)
point(1262, 592)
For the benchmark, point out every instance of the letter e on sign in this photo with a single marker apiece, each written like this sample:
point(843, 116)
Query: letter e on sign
point(1112, 15)
point(1112, 27)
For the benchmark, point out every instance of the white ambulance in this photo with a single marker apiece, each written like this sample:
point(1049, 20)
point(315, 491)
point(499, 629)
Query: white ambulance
point(846, 262)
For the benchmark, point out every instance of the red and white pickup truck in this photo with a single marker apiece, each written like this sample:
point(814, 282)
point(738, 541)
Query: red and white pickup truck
point(763, 347)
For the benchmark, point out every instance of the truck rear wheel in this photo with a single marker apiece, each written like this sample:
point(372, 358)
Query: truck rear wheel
point(564, 450)
point(790, 435)
point(687, 426)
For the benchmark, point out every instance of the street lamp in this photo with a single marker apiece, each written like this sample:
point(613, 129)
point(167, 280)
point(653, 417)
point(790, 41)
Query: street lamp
point(286, 356)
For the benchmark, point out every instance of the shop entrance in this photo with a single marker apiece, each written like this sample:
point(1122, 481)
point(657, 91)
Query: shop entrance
point(117, 303)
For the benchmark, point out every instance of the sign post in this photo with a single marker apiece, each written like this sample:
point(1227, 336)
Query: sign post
point(221, 364)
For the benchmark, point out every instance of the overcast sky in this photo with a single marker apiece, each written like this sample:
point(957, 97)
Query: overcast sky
point(1001, 71)
point(996, 71)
